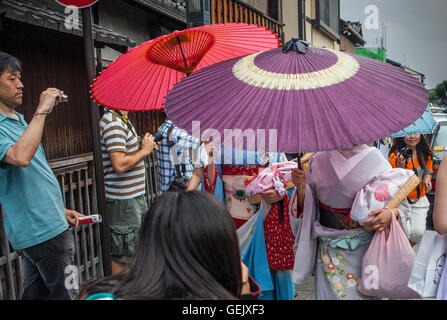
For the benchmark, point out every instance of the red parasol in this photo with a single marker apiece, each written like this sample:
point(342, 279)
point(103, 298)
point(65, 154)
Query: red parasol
point(140, 79)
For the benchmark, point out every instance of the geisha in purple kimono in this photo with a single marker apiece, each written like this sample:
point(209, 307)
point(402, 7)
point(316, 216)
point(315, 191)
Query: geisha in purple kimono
point(329, 243)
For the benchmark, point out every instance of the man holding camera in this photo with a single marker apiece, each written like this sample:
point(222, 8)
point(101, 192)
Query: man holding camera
point(36, 222)
point(123, 154)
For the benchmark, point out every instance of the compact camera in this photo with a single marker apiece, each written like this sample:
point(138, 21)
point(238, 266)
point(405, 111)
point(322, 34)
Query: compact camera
point(63, 98)
point(406, 152)
point(158, 136)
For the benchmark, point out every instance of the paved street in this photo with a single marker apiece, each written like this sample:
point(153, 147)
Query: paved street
point(306, 290)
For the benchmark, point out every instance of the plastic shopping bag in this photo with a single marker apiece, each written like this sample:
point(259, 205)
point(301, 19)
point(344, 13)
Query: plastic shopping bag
point(430, 260)
point(442, 287)
point(387, 265)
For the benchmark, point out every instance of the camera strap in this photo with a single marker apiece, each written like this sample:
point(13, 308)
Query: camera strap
point(126, 121)
point(181, 173)
point(418, 188)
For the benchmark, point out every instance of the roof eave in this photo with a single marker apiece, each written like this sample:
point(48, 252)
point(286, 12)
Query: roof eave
point(43, 18)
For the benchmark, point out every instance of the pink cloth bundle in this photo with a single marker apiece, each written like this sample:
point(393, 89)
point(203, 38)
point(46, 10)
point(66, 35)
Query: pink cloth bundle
point(378, 192)
point(273, 177)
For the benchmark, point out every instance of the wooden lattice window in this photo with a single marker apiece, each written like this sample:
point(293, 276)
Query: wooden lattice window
point(329, 16)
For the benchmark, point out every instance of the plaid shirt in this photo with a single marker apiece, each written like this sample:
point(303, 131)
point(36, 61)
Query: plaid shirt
point(166, 166)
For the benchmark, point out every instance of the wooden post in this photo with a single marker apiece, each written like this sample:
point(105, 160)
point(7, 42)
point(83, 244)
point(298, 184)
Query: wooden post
point(4, 251)
point(94, 112)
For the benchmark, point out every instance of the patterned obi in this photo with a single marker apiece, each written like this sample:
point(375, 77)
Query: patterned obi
point(336, 218)
point(241, 170)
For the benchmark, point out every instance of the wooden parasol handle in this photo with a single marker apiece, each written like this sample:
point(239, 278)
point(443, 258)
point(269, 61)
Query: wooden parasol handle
point(403, 192)
point(300, 155)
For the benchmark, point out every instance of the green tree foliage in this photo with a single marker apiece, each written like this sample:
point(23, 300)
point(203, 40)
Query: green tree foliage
point(439, 94)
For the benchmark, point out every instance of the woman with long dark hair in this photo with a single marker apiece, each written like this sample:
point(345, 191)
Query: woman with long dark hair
point(412, 152)
point(187, 249)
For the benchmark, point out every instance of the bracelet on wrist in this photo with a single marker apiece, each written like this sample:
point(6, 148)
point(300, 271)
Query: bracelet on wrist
point(40, 113)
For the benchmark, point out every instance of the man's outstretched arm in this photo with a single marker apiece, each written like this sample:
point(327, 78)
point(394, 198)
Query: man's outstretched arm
point(21, 153)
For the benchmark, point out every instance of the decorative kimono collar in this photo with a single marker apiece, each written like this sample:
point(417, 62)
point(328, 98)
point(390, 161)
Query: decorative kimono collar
point(345, 160)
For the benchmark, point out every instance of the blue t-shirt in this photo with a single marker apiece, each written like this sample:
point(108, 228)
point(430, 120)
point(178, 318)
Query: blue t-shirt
point(30, 196)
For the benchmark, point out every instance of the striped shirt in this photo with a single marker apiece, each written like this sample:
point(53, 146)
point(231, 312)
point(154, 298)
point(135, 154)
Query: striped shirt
point(117, 137)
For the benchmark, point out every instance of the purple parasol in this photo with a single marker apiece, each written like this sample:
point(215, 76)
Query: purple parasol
point(316, 99)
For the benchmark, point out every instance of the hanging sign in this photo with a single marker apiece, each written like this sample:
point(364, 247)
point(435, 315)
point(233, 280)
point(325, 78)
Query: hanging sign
point(77, 3)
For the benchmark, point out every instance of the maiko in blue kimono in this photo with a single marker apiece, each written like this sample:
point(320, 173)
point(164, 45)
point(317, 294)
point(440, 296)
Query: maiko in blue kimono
point(235, 171)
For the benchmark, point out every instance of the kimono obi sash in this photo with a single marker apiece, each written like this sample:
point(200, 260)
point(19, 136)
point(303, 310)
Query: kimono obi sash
point(235, 179)
point(241, 170)
point(336, 218)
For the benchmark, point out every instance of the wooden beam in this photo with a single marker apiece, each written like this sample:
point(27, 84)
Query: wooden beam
point(4, 251)
point(219, 11)
point(97, 156)
point(213, 11)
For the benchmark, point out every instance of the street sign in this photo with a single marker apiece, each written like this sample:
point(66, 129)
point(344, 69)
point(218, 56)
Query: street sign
point(77, 3)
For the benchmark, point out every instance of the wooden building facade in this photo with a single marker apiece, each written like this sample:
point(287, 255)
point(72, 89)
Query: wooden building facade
point(53, 56)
